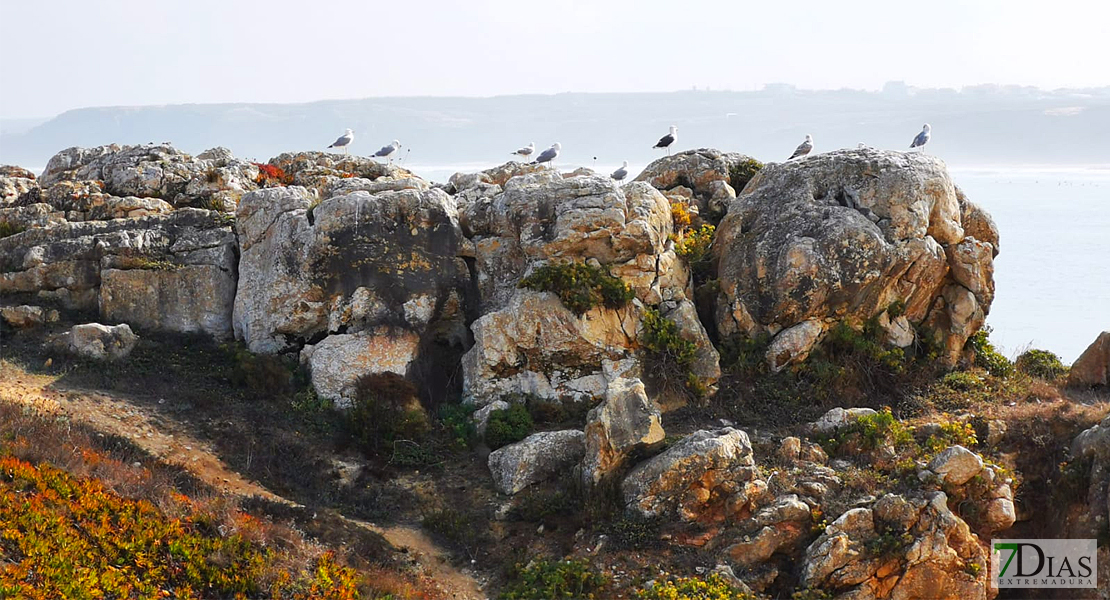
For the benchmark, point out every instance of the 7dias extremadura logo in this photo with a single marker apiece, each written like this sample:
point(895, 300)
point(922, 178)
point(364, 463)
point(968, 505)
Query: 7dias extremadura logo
point(1043, 564)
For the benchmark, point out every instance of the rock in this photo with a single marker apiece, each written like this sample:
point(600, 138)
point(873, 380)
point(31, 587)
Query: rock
point(339, 361)
point(925, 552)
point(16, 171)
point(839, 237)
point(535, 458)
point(790, 449)
point(481, 416)
point(380, 272)
point(781, 526)
point(999, 514)
point(707, 476)
point(27, 317)
point(496, 176)
point(98, 342)
point(1092, 368)
point(28, 216)
point(899, 331)
point(837, 418)
point(623, 426)
point(793, 345)
point(173, 272)
point(705, 172)
point(977, 222)
point(17, 190)
point(956, 465)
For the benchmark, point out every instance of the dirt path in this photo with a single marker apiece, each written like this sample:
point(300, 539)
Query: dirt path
point(170, 442)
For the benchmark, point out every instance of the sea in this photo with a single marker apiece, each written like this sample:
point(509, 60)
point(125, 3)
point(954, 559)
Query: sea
point(1052, 274)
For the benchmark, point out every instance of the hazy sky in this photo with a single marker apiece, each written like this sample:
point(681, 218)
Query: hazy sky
point(63, 54)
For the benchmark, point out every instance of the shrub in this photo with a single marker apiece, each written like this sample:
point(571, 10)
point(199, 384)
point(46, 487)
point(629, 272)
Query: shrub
point(549, 580)
point(873, 431)
point(889, 541)
point(634, 531)
point(952, 434)
point(986, 356)
point(581, 287)
point(454, 526)
point(741, 173)
point(962, 381)
point(7, 228)
point(711, 587)
point(385, 410)
point(670, 357)
point(263, 373)
point(272, 175)
point(456, 420)
point(680, 214)
point(508, 425)
point(1040, 363)
point(695, 247)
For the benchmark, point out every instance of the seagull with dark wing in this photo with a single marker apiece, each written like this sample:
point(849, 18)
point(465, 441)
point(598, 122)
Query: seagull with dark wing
point(526, 151)
point(621, 173)
point(922, 138)
point(667, 140)
point(549, 155)
point(804, 148)
point(344, 141)
point(386, 151)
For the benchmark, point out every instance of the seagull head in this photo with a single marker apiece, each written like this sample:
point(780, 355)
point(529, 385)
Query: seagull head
point(674, 129)
point(557, 146)
point(624, 164)
point(532, 145)
point(396, 144)
point(350, 131)
point(809, 138)
point(926, 127)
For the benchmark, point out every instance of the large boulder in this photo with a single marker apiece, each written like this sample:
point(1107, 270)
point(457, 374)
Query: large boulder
point(376, 268)
point(1092, 368)
point(626, 424)
point(899, 548)
point(707, 477)
point(956, 465)
point(839, 237)
point(711, 178)
point(17, 187)
point(526, 342)
point(173, 272)
point(98, 342)
point(26, 316)
point(537, 457)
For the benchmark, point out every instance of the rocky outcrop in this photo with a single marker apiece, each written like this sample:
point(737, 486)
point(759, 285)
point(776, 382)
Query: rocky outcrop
point(709, 177)
point(899, 548)
point(707, 477)
point(27, 317)
point(1092, 368)
point(98, 342)
point(381, 273)
point(838, 418)
point(625, 425)
point(526, 342)
point(840, 237)
point(537, 457)
point(174, 272)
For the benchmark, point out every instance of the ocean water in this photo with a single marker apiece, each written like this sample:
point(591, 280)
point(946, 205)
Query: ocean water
point(1052, 274)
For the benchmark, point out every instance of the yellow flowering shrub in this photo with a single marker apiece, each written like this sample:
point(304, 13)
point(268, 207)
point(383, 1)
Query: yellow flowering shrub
point(713, 587)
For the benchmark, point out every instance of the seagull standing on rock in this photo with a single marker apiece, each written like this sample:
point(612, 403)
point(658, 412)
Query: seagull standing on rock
point(667, 140)
point(386, 151)
point(922, 138)
point(549, 155)
point(344, 141)
point(621, 173)
point(526, 151)
point(804, 148)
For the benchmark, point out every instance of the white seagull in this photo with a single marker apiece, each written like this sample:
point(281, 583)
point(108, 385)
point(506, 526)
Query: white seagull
point(922, 138)
point(621, 173)
point(344, 141)
point(526, 151)
point(388, 150)
point(804, 148)
point(549, 155)
point(667, 140)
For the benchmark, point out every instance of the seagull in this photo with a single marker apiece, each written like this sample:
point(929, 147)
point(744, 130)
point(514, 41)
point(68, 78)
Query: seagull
point(526, 151)
point(621, 173)
point(922, 138)
point(804, 148)
point(550, 154)
point(387, 150)
point(344, 141)
point(667, 140)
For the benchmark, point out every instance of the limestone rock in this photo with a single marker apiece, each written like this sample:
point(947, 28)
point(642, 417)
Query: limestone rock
point(839, 417)
point(781, 525)
point(98, 342)
point(977, 222)
point(708, 476)
point(626, 424)
point(30, 215)
point(535, 458)
point(840, 237)
point(17, 189)
point(27, 317)
point(339, 361)
point(706, 172)
point(956, 465)
point(1092, 368)
point(496, 176)
point(482, 415)
point(793, 345)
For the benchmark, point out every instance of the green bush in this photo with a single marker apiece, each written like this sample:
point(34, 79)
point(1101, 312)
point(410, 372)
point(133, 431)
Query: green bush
point(7, 228)
point(385, 409)
point(986, 356)
point(695, 247)
point(581, 287)
point(881, 429)
point(550, 580)
point(952, 434)
point(634, 532)
point(454, 526)
point(508, 425)
point(263, 373)
point(741, 173)
point(962, 381)
point(1040, 363)
point(456, 420)
point(670, 357)
point(711, 587)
